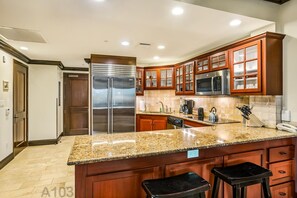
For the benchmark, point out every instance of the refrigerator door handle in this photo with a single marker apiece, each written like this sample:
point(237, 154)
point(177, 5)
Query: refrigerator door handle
point(111, 101)
point(108, 105)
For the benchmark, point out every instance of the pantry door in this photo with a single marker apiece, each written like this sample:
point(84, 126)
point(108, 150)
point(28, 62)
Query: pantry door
point(20, 107)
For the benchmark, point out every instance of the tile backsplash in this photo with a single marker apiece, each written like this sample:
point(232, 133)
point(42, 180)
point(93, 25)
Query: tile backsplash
point(266, 108)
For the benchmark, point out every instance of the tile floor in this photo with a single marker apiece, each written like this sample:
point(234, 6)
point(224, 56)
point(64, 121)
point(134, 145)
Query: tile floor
point(39, 171)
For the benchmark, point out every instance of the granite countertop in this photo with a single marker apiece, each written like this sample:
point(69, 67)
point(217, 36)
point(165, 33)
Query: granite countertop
point(191, 117)
point(109, 147)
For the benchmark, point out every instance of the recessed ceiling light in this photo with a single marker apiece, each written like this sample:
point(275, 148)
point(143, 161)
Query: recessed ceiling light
point(177, 11)
point(161, 47)
point(24, 48)
point(100, 0)
point(125, 43)
point(235, 22)
point(156, 57)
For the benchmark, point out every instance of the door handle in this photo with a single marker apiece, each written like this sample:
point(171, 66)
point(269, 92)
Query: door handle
point(15, 117)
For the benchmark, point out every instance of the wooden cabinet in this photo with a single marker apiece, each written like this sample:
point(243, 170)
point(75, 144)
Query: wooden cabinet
point(201, 167)
point(282, 164)
point(193, 124)
point(185, 84)
point(256, 65)
point(246, 68)
point(219, 61)
point(151, 78)
point(255, 157)
point(150, 122)
point(159, 78)
point(127, 183)
point(139, 81)
point(202, 65)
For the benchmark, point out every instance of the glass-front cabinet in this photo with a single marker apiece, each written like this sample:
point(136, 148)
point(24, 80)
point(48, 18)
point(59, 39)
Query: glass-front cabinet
point(246, 68)
point(166, 78)
point(185, 78)
point(139, 81)
point(219, 60)
point(202, 65)
point(151, 81)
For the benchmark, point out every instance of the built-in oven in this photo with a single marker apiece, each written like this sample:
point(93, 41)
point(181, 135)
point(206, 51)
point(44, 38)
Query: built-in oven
point(213, 83)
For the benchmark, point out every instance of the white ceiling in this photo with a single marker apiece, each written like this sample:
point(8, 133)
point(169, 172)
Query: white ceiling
point(74, 29)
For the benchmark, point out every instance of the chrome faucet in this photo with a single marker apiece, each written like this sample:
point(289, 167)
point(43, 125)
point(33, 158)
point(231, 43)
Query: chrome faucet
point(162, 108)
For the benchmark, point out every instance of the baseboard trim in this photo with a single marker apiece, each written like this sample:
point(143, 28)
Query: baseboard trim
point(45, 142)
point(6, 160)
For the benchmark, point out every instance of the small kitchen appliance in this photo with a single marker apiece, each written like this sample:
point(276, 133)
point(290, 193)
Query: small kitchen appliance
point(200, 113)
point(190, 105)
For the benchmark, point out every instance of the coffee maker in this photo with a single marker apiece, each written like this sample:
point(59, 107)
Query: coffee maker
point(188, 107)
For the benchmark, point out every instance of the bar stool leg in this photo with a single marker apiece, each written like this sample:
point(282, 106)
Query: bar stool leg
point(243, 192)
point(202, 195)
point(266, 188)
point(215, 188)
point(236, 191)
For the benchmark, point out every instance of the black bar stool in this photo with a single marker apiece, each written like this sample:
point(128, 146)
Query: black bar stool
point(240, 176)
point(185, 185)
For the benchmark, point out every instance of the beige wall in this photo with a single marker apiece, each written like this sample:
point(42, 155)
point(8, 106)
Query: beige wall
point(6, 102)
point(287, 24)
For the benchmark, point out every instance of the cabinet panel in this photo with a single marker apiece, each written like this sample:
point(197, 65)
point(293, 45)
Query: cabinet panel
point(145, 124)
point(283, 190)
point(166, 78)
point(219, 61)
point(127, 183)
point(201, 167)
point(184, 79)
point(159, 124)
point(281, 153)
point(282, 172)
point(193, 124)
point(151, 78)
point(246, 68)
point(139, 81)
point(255, 157)
point(202, 65)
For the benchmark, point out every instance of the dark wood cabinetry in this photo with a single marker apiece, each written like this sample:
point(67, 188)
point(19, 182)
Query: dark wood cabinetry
point(282, 164)
point(122, 178)
point(150, 122)
point(256, 65)
point(139, 81)
point(184, 79)
point(159, 78)
point(219, 61)
point(193, 124)
point(255, 157)
point(202, 65)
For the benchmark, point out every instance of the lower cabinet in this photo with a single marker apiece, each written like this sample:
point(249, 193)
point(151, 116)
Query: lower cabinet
point(255, 157)
point(150, 123)
point(283, 190)
point(201, 167)
point(121, 184)
point(193, 124)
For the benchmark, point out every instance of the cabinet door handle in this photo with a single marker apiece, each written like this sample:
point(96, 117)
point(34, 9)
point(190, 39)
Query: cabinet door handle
point(282, 172)
point(282, 153)
point(282, 194)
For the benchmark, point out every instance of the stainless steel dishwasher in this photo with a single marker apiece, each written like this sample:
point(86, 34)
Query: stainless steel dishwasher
point(174, 123)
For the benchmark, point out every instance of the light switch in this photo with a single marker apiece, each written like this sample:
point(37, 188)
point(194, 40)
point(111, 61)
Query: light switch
point(193, 153)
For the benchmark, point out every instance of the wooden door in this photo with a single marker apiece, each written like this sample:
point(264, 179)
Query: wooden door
point(145, 124)
point(121, 184)
point(76, 104)
point(201, 167)
point(160, 124)
point(20, 107)
point(255, 157)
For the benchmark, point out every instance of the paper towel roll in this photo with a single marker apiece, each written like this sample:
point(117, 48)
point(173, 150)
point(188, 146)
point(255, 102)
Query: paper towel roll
point(142, 105)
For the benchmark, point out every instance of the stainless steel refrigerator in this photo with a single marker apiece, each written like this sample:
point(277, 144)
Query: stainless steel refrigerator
point(113, 98)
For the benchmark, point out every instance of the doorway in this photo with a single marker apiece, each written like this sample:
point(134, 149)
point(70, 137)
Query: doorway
point(20, 107)
point(76, 104)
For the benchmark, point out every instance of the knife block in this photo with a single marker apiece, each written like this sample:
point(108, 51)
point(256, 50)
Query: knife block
point(254, 121)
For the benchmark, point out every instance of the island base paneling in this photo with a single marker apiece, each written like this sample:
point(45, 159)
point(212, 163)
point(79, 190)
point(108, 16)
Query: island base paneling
point(123, 177)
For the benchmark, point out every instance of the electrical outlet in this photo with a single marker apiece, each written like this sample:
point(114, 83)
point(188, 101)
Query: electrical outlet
point(286, 115)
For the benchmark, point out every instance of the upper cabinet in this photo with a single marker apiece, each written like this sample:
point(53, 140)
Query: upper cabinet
point(246, 67)
point(202, 65)
point(219, 61)
point(185, 79)
point(159, 78)
point(139, 81)
point(256, 65)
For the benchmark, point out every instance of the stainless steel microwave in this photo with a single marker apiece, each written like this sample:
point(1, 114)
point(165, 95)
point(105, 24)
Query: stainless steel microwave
point(213, 83)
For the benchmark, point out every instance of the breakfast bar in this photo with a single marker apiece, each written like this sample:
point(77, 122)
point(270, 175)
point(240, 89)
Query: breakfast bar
point(114, 165)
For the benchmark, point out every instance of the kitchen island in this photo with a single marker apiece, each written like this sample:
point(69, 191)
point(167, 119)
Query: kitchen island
point(114, 165)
